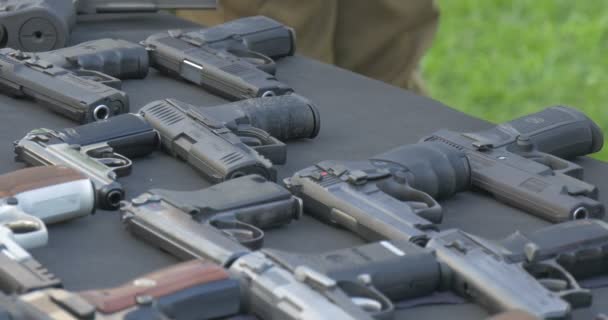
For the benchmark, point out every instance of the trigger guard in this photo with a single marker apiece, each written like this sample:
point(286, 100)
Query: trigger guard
point(556, 164)
point(574, 294)
point(257, 59)
point(27, 239)
point(253, 242)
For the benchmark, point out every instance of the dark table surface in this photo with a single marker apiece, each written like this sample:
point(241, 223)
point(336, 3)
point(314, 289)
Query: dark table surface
point(360, 117)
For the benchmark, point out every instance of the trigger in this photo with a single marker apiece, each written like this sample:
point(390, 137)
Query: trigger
point(22, 226)
point(554, 284)
point(240, 235)
point(251, 141)
point(110, 162)
point(367, 304)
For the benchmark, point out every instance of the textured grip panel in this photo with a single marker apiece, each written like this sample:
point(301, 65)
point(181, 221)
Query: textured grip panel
point(117, 58)
point(156, 285)
point(435, 168)
point(561, 131)
point(283, 117)
point(128, 134)
point(36, 177)
point(259, 34)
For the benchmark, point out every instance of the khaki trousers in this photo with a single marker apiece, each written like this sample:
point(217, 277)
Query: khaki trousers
point(382, 39)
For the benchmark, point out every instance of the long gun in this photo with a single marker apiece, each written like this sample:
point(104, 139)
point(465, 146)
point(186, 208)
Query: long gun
point(43, 25)
point(235, 139)
point(390, 196)
point(193, 290)
point(100, 150)
point(81, 82)
point(522, 162)
point(233, 60)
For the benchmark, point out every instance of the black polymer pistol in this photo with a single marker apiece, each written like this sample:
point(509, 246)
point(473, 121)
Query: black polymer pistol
point(81, 82)
point(521, 162)
point(218, 223)
point(235, 139)
point(100, 150)
point(390, 196)
point(233, 60)
point(44, 25)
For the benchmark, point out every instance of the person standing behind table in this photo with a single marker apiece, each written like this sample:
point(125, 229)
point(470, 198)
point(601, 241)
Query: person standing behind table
point(382, 39)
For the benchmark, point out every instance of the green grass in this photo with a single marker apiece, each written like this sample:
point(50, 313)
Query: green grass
point(501, 59)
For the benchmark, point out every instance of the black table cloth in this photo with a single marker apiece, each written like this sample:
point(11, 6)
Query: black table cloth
point(360, 117)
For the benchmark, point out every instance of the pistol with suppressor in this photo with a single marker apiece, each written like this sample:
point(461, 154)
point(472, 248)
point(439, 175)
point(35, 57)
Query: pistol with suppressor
point(390, 196)
point(44, 25)
point(100, 150)
point(235, 139)
point(521, 162)
point(233, 59)
point(81, 82)
point(198, 224)
point(194, 290)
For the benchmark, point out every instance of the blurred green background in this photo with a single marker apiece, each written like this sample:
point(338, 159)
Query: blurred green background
point(501, 59)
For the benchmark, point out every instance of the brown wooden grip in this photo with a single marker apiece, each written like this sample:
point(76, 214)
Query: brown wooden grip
point(157, 284)
point(513, 315)
point(36, 177)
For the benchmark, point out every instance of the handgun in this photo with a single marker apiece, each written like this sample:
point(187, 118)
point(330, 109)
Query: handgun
point(100, 150)
point(44, 25)
point(81, 82)
point(193, 290)
point(380, 265)
point(272, 292)
point(51, 194)
point(235, 139)
point(390, 196)
point(522, 162)
point(168, 220)
point(19, 272)
point(537, 273)
point(233, 60)
point(29, 198)
point(218, 223)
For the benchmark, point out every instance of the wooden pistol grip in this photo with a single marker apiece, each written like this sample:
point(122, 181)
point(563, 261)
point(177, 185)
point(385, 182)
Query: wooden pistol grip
point(157, 284)
point(27, 179)
point(513, 315)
